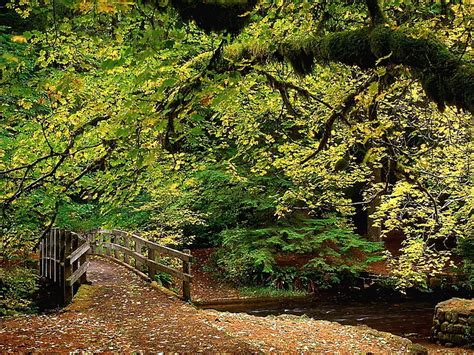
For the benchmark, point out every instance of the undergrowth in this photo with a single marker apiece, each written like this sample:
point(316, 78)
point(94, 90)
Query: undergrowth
point(333, 254)
point(18, 286)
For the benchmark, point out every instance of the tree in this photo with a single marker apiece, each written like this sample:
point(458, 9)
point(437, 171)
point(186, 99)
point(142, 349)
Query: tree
point(116, 108)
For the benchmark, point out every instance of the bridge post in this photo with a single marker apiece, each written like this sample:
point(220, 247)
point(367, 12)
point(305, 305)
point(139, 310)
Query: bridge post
point(187, 270)
point(138, 249)
point(116, 240)
point(108, 242)
point(67, 287)
point(151, 267)
point(99, 237)
point(91, 238)
point(126, 243)
point(83, 260)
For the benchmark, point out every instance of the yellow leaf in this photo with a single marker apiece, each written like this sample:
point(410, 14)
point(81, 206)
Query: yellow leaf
point(19, 39)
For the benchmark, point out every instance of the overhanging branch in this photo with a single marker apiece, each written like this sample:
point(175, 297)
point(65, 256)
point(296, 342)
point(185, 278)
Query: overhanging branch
point(445, 79)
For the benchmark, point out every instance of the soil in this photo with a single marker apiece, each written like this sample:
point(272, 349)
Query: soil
point(119, 312)
point(205, 286)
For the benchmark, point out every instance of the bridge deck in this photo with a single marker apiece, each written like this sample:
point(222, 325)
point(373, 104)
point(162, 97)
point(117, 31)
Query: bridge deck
point(117, 312)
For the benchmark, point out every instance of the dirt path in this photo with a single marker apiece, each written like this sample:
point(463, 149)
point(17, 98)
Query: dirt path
point(120, 312)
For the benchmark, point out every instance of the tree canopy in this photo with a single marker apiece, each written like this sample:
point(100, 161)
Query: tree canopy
point(259, 126)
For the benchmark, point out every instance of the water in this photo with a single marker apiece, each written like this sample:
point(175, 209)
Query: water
point(412, 319)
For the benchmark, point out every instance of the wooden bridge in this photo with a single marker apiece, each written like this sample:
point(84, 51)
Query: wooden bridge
point(64, 258)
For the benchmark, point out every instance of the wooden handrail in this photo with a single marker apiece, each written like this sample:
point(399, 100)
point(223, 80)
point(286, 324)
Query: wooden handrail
point(113, 250)
point(160, 248)
point(78, 273)
point(76, 254)
point(181, 275)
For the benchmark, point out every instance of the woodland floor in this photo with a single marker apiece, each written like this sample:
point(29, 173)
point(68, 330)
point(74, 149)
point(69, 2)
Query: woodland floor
point(120, 312)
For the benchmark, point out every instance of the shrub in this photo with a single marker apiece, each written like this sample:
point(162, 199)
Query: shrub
point(18, 287)
point(248, 256)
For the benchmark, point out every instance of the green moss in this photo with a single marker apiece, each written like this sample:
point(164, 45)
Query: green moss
point(349, 47)
point(300, 53)
point(445, 78)
point(404, 47)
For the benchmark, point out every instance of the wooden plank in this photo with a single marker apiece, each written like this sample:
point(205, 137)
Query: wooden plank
point(90, 238)
point(76, 254)
point(114, 231)
point(186, 283)
point(50, 254)
point(58, 255)
point(99, 239)
point(116, 240)
point(42, 256)
point(105, 241)
point(126, 243)
point(78, 273)
point(40, 268)
point(129, 267)
point(62, 258)
point(55, 243)
point(156, 265)
point(83, 260)
point(53, 260)
point(74, 245)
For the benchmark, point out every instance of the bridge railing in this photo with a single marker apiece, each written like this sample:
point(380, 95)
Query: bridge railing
point(141, 255)
point(63, 261)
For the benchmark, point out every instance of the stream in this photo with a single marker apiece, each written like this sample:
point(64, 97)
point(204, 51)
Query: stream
point(408, 318)
point(412, 319)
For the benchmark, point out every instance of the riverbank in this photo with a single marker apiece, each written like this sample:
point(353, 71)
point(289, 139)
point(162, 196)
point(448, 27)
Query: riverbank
point(409, 316)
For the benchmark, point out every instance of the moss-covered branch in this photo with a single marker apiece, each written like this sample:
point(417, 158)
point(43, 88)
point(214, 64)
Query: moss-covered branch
point(446, 79)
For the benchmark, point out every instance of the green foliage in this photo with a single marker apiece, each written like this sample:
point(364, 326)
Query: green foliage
point(117, 115)
point(269, 292)
point(18, 286)
point(466, 250)
point(164, 279)
point(250, 255)
point(416, 263)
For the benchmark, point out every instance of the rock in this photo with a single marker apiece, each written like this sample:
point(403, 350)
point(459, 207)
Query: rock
point(444, 326)
point(453, 322)
point(452, 317)
point(457, 328)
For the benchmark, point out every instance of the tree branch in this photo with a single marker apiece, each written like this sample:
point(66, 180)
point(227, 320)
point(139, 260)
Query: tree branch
point(445, 79)
point(375, 11)
point(341, 111)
